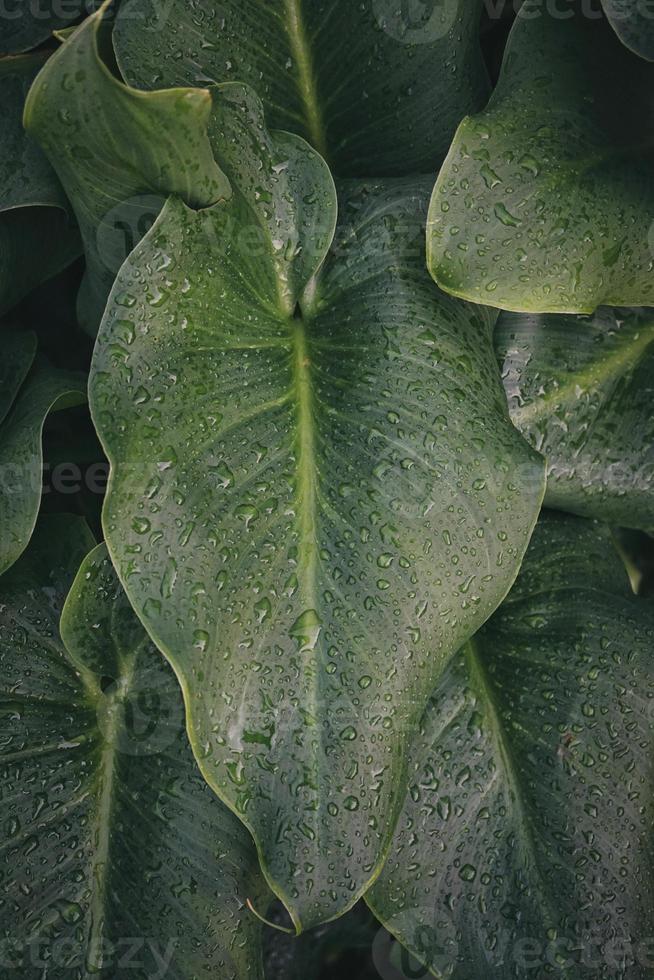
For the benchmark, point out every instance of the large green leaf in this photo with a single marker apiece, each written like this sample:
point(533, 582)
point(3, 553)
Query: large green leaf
point(633, 22)
point(581, 390)
point(24, 24)
point(37, 237)
point(378, 87)
point(144, 145)
point(546, 200)
point(25, 402)
point(118, 860)
point(525, 847)
point(316, 495)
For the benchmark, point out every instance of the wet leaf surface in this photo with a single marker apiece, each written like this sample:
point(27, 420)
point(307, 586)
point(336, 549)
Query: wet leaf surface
point(316, 493)
point(118, 860)
point(118, 152)
point(525, 843)
point(546, 201)
point(581, 390)
point(376, 86)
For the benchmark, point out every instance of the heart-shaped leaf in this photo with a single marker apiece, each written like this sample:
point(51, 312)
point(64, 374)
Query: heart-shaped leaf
point(525, 846)
point(377, 86)
point(546, 200)
point(24, 24)
point(144, 145)
point(37, 238)
point(25, 402)
point(316, 495)
point(117, 860)
point(633, 22)
point(581, 390)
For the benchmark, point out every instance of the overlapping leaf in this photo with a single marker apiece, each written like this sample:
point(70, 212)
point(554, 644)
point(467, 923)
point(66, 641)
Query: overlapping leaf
point(25, 401)
point(37, 237)
point(316, 494)
point(117, 151)
point(633, 22)
point(581, 390)
point(546, 200)
point(525, 845)
point(118, 859)
point(376, 86)
point(25, 24)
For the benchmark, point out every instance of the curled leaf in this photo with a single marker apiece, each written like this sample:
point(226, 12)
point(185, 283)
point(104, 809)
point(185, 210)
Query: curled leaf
point(118, 152)
point(546, 202)
point(376, 86)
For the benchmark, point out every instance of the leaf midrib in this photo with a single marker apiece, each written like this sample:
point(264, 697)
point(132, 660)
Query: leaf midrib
point(302, 56)
point(481, 682)
point(306, 476)
point(107, 782)
point(306, 486)
point(99, 871)
point(623, 357)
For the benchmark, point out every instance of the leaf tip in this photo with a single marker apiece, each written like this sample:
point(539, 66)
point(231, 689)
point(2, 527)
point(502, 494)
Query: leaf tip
point(267, 922)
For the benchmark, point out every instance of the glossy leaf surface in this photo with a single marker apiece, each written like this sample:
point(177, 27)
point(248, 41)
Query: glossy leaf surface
point(581, 390)
point(37, 237)
point(118, 860)
point(546, 200)
point(525, 846)
point(316, 494)
point(25, 402)
point(376, 86)
point(144, 145)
